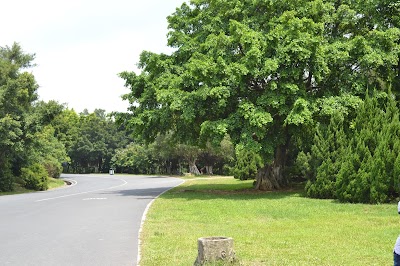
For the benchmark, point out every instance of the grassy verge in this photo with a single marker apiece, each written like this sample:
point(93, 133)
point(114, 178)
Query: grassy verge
point(273, 228)
point(18, 189)
point(55, 183)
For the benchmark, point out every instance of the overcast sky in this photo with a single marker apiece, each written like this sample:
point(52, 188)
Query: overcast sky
point(82, 45)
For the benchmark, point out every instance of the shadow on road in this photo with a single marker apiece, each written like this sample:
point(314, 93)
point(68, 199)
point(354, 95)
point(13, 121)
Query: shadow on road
point(143, 193)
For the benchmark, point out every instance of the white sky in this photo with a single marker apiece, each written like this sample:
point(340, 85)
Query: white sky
point(82, 45)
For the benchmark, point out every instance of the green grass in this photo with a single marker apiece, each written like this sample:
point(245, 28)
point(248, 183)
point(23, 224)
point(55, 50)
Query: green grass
point(271, 228)
point(55, 183)
point(18, 189)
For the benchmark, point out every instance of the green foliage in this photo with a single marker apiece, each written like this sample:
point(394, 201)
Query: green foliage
point(325, 162)
point(49, 151)
point(302, 164)
point(34, 177)
point(217, 158)
point(27, 140)
point(6, 177)
point(368, 174)
point(164, 154)
point(134, 159)
point(260, 71)
point(17, 93)
point(362, 164)
point(247, 163)
point(91, 140)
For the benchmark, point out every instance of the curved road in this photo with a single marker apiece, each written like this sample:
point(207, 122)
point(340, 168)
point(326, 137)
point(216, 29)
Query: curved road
point(95, 221)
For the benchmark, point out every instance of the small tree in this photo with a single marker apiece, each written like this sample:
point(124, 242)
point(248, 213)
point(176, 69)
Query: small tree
point(328, 148)
point(247, 163)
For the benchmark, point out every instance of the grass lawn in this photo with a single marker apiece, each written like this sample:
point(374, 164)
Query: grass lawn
point(270, 228)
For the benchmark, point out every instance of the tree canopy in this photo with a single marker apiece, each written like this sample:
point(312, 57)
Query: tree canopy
point(263, 72)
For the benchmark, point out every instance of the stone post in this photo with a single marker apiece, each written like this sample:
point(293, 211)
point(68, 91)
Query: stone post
point(211, 249)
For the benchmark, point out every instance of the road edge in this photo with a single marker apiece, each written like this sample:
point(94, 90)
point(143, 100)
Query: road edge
point(144, 218)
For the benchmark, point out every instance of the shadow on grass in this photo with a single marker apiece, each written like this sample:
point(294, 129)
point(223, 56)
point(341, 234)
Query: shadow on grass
point(239, 190)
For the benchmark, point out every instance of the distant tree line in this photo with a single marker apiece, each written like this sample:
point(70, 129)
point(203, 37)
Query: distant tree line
point(165, 156)
point(40, 139)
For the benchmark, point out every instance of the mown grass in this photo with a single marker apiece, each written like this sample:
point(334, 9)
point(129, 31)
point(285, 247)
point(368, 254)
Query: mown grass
point(272, 228)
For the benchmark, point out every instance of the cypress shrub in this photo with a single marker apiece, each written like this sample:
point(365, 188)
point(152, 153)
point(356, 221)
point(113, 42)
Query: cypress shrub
point(325, 163)
point(247, 163)
point(364, 164)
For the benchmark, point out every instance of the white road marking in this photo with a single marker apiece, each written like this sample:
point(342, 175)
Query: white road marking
point(94, 199)
point(85, 192)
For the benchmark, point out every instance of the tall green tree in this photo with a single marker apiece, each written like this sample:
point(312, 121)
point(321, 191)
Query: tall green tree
point(41, 146)
point(358, 161)
point(326, 158)
point(369, 170)
point(256, 70)
point(17, 93)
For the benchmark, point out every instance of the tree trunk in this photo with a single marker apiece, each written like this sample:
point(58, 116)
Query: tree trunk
point(271, 176)
point(193, 168)
point(209, 169)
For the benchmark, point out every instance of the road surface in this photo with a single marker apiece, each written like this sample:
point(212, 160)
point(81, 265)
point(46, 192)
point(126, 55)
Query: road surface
point(95, 221)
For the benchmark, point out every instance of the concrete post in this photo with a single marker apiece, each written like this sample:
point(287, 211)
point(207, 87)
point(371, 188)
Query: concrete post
point(211, 249)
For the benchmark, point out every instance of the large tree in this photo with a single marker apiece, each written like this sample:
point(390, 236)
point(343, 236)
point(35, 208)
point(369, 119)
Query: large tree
point(259, 71)
point(17, 93)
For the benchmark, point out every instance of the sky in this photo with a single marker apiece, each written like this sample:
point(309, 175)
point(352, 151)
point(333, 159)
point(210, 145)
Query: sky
point(82, 45)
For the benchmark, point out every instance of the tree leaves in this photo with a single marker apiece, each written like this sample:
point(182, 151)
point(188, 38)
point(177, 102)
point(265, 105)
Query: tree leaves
point(262, 71)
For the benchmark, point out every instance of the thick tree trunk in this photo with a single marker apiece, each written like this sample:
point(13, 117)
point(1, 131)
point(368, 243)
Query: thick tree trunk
point(271, 176)
point(193, 168)
point(209, 169)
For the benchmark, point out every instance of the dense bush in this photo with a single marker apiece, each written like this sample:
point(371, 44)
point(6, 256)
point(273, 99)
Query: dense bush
point(6, 177)
point(34, 177)
point(247, 163)
point(53, 168)
point(133, 159)
point(362, 165)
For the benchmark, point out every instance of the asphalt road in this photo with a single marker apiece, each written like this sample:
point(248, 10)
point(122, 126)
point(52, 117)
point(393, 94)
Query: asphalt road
point(95, 221)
